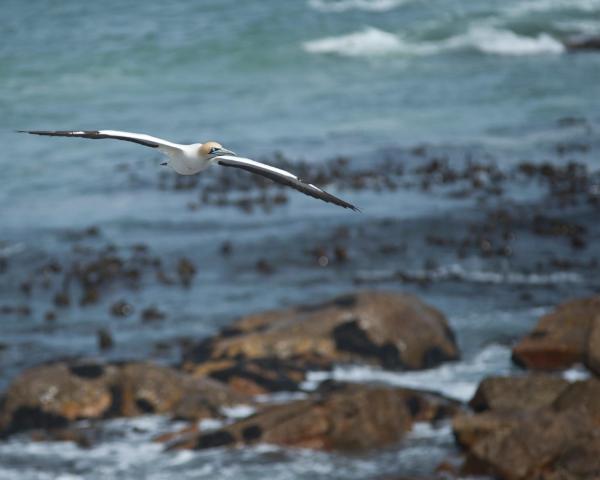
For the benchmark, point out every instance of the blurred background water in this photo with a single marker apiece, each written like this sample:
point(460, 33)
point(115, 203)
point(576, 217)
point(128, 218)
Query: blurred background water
point(313, 79)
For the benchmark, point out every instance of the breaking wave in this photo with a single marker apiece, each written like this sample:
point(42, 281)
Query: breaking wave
point(371, 41)
point(345, 5)
point(540, 6)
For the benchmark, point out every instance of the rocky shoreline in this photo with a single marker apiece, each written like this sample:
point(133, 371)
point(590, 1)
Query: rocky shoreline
point(531, 425)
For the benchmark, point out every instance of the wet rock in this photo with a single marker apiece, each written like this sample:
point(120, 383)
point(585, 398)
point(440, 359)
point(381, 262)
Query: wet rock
point(50, 396)
point(152, 314)
point(145, 388)
point(593, 346)
point(186, 271)
point(528, 392)
point(121, 309)
point(344, 417)
point(584, 43)
point(83, 437)
point(105, 340)
point(254, 376)
point(539, 445)
point(392, 330)
point(469, 429)
point(561, 338)
point(62, 299)
point(264, 266)
point(526, 434)
point(582, 396)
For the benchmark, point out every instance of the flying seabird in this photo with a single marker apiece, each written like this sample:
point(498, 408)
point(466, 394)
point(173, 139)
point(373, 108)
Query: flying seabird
point(193, 158)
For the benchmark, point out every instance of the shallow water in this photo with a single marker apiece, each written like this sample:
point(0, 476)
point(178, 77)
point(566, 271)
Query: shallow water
point(369, 79)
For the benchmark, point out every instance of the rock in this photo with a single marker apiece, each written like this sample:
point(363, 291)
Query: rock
point(528, 392)
point(152, 315)
point(561, 338)
point(340, 417)
point(121, 309)
point(527, 434)
point(583, 43)
point(104, 338)
point(51, 396)
point(469, 429)
point(254, 376)
point(593, 346)
point(582, 396)
point(186, 271)
point(145, 388)
point(392, 330)
point(541, 443)
point(84, 437)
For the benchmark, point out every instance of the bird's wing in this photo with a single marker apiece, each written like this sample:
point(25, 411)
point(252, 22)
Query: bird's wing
point(281, 176)
point(142, 139)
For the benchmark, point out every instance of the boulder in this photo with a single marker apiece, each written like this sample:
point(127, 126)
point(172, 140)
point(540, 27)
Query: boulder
point(524, 434)
point(392, 330)
point(582, 396)
point(338, 417)
point(561, 338)
point(593, 347)
point(527, 392)
point(51, 396)
point(48, 397)
point(542, 443)
point(469, 429)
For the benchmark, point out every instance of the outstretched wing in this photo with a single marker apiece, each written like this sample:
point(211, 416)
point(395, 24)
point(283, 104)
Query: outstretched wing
point(142, 139)
point(281, 176)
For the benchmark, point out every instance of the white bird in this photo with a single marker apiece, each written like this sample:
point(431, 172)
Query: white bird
point(196, 157)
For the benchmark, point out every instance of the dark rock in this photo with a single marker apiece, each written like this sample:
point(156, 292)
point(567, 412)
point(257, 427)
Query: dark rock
point(152, 314)
point(583, 43)
point(105, 340)
point(121, 309)
point(186, 271)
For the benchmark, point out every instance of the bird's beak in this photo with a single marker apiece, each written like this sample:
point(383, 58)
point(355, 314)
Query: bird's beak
point(223, 151)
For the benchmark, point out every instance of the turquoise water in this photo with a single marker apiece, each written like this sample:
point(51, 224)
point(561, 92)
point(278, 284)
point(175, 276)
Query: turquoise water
point(312, 79)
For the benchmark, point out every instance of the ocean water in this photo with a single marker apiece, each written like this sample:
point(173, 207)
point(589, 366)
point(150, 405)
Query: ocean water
point(313, 80)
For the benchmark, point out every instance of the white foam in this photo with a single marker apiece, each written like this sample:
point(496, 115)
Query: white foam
point(238, 411)
point(345, 5)
point(505, 42)
point(578, 372)
point(457, 380)
point(456, 271)
point(366, 42)
point(486, 39)
point(538, 6)
point(426, 430)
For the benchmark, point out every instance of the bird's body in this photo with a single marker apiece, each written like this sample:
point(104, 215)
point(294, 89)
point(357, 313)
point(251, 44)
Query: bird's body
point(193, 158)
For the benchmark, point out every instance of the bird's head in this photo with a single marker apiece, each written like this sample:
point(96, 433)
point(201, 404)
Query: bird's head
point(212, 150)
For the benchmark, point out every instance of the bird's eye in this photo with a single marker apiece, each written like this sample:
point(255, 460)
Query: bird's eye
point(214, 150)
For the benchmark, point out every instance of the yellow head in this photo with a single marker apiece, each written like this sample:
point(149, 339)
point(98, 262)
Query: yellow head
point(210, 149)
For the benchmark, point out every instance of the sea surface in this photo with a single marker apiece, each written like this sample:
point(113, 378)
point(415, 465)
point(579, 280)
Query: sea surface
point(387, 84)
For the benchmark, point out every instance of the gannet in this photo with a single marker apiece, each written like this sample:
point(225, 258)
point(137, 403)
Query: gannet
point(196, 157)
